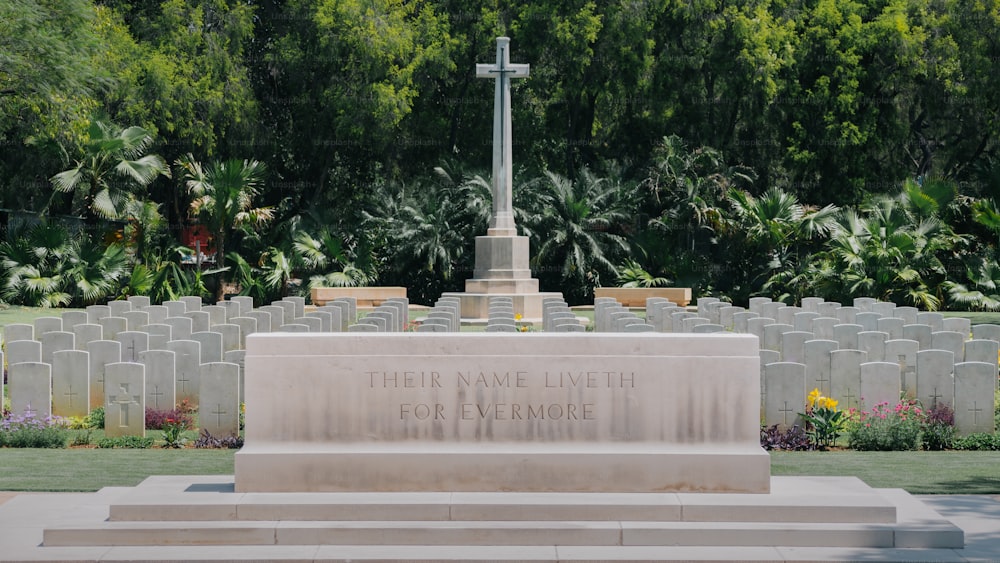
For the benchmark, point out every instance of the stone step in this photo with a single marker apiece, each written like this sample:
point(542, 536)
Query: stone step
point(748, 534)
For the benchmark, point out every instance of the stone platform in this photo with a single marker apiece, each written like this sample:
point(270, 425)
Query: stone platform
point(203, 518)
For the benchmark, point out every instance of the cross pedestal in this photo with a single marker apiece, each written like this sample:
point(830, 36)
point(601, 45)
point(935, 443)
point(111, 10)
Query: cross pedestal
point(502, 257)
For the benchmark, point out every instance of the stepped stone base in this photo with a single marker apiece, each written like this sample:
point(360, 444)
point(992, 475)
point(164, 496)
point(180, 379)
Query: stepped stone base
point(187, 517)
point(477, 305)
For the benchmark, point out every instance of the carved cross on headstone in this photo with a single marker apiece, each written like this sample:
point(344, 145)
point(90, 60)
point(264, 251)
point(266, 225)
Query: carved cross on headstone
point(70, 394)
point(934, 398)
point(850, 397)
point(123, 400)
point(182, 380)
point(824, 382)
point(156, 394)
point(218, 412)
point(100, 379)
point(131, 349)
point(502, 223)
point(784, 413)
point(29, 412)
point(975, 410)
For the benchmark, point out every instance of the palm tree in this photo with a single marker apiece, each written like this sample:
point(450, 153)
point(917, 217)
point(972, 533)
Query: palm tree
point(113, 166)
point(579, 233)
point(223, 195)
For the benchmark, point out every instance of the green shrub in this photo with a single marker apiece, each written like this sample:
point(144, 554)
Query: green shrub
point(96, 418)
point(886, 428)
point(980, 441)
point(82, 438)
point(132, 442)
point(938, 432)
point(31, 432)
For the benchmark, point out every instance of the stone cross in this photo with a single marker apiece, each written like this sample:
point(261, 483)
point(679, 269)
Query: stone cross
point(502, 223)
point(124, 400)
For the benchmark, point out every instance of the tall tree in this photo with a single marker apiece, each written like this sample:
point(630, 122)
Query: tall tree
point(223, 199)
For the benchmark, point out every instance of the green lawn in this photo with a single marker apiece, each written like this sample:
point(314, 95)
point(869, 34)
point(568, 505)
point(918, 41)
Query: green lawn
point(91, 469)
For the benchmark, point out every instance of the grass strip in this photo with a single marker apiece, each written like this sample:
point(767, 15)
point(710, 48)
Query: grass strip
point(926, 473)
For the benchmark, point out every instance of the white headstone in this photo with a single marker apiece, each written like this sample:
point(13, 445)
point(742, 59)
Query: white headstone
point(71, 383)
point(325, 318)
point(112, 326)
point(175, 308)
point(823, 327)
point(772, 336)
point(157, 314)
point(216, 314)
point(263, 319)
point(817, 360)
point(119, 308)
point(846, 315)
point(248, 326)
point(845, 376)
point(133, 343)
point(982, 351)
point(958, 324)
point(873, 344)
point(200, 320)
point(880, 383)
point(187, 363)
point(86, 333)
point(159, 335)
point(277, 316)
point(986, 332)
point(125, 400)
point(30, 388)
point(97, 312)
point(904, 353)
point(219, 404)
point(101, 353)
point(908, 314)
point(921, 333)
point(811, 304)
point(139, 302)
point(56, 341)
point(180, 327)
point(245, 302)
point(846, 336)
point(974, 387)
point(23, 351)
point(238, 357)
point(785, 394)
point(211, 346)
point(18, 331)
point(287, 311)
point(934, 320)
point(892, 326)
point(230, 336)
point(192, 303)
point(135, 320)
point(792, 346)
point(935, 383)
point(72, 318)
point(47, 324)
point(954, 342)
point(161, 379)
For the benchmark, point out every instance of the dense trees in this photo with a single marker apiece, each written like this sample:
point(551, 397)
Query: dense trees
point(776, 146)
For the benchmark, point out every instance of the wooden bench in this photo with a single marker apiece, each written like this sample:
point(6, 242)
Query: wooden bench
point(636, 296)
point(365, 296)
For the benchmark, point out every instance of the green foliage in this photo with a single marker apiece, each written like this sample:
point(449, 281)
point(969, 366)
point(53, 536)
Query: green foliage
point(824, 423)
point(978, 442)
point(127, 442)
point(96, 418)
point(83, 438)
point(885, 428)
point(31, 432)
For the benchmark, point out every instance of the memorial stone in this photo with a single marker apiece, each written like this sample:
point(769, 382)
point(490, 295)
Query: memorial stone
point(982, 351)
point(811, 304)
point(216, 314)
point(935, 382)
point(18, 331)
point(892, 326)
point(230, 336)
point(986, 332)
point(880, 383)
point(157, 314)
point(112, 326)
point(361, 326)
point(277, 316)
point(325, 319)
point(56, 341)
point(817, 360)
point(295, 327)
point(687, 325)
point(263, 319)
point(139, 302)
point(191, 303)
point(704, 328)
point(72, 318)
point(100, 354)
point(180, 327)
point(71, 383)
point(161, 379)
point(845, 377)
point(921, 333)
point(135, 320)
point(352, 308)
point(868, 321)
point(315, 324)
point(904, 353)
point(884, 308)
point(974, 388)
point(772, 336)
point(792, 346)
point(958, 324)
point(828, 309)
point(908, 314)
point(245, 302)
point(725, 316)
point(757, 303)
point(786, 315)
point(247, 326)
point(119, 308)
point(175, 308)
point(159, 335)
point(187, 366)
point(30, 387)
point(218, 406)
point(846, 335)
point(847, 315)
point(803, 321)
point(934, 320)
point(97, 312)
point(200, 321)
point(864, 304)
point(47, 324)
point(873, 344)
point(822, 327)
point(238, 357)
point(770, 310)
point(785, 394)
point(23, 351)
point(86, 333)
point(211, 345)
point(954, 342)
point(232, 310)
point(300, 305)
point(287, 311)
point(125, 400)
point(755, 326)
point(133, 343)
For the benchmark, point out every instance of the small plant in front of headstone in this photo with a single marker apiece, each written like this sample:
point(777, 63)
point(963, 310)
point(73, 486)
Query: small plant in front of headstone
point(886, 428)
point(173, 433)
point(157, 419)
point(824, 423)
point(96, 418)
point(938, 432)
point(126, 442)
point(980, 441)
point(31, 432)
point(794, 439)
point(206, 440)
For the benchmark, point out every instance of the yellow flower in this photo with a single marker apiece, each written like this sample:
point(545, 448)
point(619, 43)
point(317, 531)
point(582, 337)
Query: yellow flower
point(829, 403)
point(518, 317)
point(813, 396)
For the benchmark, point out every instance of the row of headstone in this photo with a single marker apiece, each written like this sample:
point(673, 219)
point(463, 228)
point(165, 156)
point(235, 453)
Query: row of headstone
point(500, 314)
point(558, 317)
point(444, 316)
point(611, 316)
point(173, 343)
point(391, 316)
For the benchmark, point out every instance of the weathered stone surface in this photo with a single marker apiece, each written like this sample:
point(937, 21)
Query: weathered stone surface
point(124, 400)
